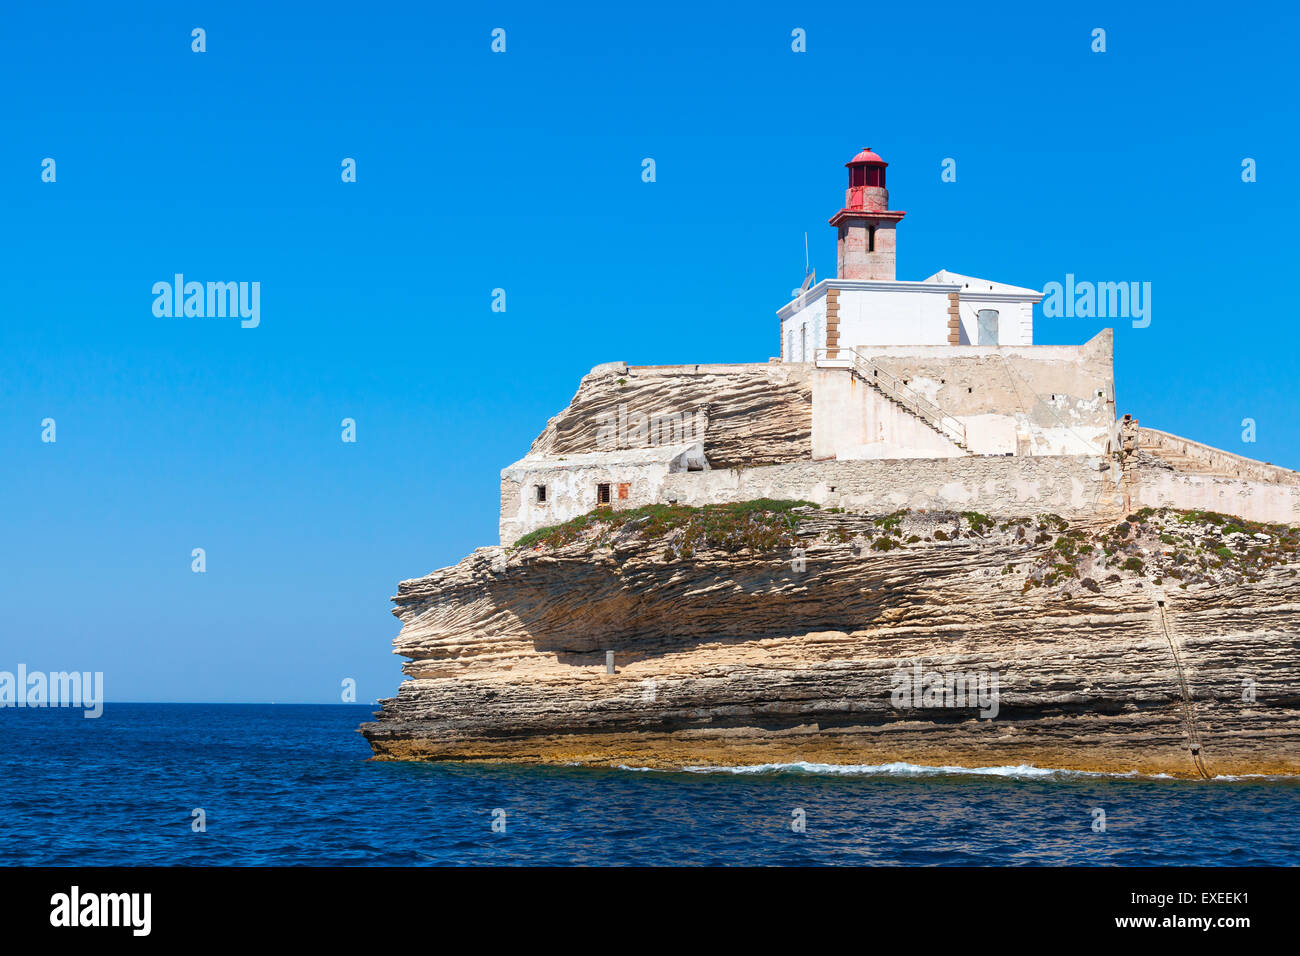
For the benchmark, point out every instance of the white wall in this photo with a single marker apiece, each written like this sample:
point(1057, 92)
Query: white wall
point(902, 317)
point(571, 485)
point(570, 492)
point(875, 313)
point(1015, 318)
point(878, 313)
point(813, 317)
point(853, 421)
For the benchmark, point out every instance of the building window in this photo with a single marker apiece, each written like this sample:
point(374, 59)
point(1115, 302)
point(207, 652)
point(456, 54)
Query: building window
point(871, 238)
point(866, 176)
point(541, 494)
point(623, 488)
point(988, 327)
point(602, 494)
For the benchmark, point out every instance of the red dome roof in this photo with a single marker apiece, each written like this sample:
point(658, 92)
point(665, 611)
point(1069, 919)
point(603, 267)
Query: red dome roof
point(866, 156)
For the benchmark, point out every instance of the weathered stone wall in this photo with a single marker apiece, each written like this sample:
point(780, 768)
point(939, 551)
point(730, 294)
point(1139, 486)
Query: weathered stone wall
point(571, 484)
point(1164, 470)
point(1210, 460)
point(1155, 485)
point(1071, 486)
point(1035, 400)
point(859, 258)
point(571, 492)
point(756, 414)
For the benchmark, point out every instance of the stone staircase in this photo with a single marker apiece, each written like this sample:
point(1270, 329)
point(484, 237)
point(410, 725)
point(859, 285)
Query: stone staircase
point(888, 385)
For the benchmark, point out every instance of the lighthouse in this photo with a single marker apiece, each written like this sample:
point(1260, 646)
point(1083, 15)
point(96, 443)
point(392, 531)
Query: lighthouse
point(866, 305)
point(868, 233)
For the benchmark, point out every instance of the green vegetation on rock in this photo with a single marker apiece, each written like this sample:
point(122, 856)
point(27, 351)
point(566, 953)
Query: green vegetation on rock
point(764, 524)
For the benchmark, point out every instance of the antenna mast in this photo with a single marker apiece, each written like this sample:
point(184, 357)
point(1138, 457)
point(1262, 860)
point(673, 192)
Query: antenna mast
point(808, 275)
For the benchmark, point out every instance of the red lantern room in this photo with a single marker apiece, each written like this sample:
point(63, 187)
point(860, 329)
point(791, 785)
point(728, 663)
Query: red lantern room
point(866, 172)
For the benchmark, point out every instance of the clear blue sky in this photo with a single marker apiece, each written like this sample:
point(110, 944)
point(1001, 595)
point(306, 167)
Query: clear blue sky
point(523, 171)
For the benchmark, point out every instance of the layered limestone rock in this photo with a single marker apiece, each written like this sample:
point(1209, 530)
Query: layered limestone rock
point(779, 633)
point(754, 414)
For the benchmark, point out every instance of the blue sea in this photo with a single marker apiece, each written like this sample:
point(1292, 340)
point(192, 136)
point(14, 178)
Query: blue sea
point(284, 784)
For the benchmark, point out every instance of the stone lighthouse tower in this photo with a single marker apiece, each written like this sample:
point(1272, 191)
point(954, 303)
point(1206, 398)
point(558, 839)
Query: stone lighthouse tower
point(868, 240)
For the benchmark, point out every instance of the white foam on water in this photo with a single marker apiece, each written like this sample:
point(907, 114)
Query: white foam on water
point(903, 769)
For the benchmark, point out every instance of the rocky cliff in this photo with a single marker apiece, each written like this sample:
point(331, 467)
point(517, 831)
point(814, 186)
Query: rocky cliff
point(755, 414)
point(777, 632)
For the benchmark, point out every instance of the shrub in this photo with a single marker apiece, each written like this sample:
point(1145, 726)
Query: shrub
point(891, 522)
point(764, 524)
point(1047, 518)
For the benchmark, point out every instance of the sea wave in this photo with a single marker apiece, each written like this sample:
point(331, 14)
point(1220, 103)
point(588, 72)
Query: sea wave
point(901, 769)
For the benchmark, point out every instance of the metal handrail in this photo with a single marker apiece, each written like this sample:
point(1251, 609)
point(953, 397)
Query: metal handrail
point(889, 383)
point(917, 402)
